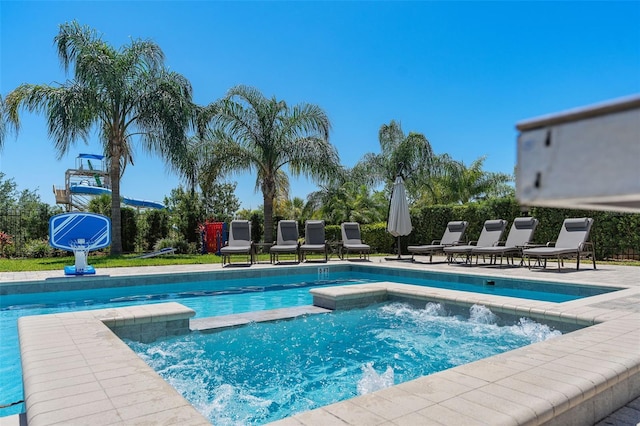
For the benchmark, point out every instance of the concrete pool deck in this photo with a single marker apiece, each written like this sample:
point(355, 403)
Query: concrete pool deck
point(587, 374)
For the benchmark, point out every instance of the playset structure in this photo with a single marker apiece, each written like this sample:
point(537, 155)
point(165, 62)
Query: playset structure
point(88, 179)
point(214, 236)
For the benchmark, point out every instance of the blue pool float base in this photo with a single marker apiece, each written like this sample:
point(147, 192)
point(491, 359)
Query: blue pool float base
point(71, 270)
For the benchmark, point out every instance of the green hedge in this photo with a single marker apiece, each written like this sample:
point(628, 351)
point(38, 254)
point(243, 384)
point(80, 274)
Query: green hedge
point(613, 234)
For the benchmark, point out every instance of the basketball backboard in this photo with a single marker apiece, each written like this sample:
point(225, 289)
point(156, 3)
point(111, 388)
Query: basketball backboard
point(73, 231)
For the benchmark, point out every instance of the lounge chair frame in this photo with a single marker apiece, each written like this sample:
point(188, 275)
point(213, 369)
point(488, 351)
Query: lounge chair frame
point(452, 236)
point(239, 242)
point(572, 243)
point(314, 240)
point(490, 236)
point(352, 241)
point(286, 241)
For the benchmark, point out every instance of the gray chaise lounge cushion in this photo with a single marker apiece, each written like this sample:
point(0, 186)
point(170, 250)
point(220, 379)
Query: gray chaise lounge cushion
point(239, 237)
point(491, 234)
point(286, 241)
point(314, 239)
point(572, 242)
point(351, 238)
point(287, 237)
point(520, 235)
point(452, 235)
point(239, 241)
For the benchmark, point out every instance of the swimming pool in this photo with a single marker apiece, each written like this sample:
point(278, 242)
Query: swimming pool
point(279, 287)
point(264, 372)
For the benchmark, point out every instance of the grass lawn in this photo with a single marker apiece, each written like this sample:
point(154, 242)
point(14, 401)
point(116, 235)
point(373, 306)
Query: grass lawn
point(105, 261)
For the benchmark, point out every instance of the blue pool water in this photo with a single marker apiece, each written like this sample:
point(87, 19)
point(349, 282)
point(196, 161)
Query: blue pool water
point(233, 300)
point(228, 296)
point(268, 371)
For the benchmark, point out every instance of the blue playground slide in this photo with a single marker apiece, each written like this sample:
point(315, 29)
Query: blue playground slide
point(96, 190)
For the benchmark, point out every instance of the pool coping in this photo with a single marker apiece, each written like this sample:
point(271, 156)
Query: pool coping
point(77, 370)
point(490, 389)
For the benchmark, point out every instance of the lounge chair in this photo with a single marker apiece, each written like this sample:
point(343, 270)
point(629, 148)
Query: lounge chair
point(520, 235)
point(239, 241)
point(314, 240)
point(287, 240)
point(491, 234)
point(452, 236)
point(352, 241)
point(571, 243)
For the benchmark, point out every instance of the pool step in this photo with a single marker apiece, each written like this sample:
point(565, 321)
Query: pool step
point(212, 324)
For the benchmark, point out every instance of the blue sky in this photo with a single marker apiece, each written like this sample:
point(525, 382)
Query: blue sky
point(461, 73)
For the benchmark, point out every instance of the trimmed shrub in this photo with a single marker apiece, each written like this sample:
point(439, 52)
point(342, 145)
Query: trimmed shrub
point(381, 241)
point(38, 249)
point(332, 232)
point(155, 226)
point(129, 229)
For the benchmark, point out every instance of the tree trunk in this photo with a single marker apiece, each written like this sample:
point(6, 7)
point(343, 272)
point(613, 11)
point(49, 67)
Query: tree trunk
point(268, 194)
point(268, 218)
point(116, 217)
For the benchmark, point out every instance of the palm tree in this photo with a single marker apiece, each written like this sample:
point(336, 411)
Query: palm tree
point(461, 184)
point(412, 153)
point(252, 133)
point(125, 94)
point(348, 201)
point(3, 122)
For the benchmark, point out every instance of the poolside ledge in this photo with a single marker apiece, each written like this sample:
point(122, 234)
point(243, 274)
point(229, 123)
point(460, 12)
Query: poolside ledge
point(77, 370)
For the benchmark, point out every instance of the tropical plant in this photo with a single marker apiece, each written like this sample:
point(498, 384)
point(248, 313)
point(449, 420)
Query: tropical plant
point(3, 122)
point(100, 204)
point(38, 249)
point(348, 202)
point(251, 133)
point(125, 94)
point(292, 209)
point(5, 242)
point(460, 184)
point(409, 155)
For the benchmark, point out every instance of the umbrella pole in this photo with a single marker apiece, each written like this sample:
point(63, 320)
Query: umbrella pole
point(399, 257)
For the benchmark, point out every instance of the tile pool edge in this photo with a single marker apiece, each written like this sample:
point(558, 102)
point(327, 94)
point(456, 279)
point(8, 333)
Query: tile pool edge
point(580, 375)
point(398, 397)
point(77, 369)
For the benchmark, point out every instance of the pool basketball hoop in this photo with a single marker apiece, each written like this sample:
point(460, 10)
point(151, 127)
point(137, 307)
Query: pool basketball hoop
point(79, 233)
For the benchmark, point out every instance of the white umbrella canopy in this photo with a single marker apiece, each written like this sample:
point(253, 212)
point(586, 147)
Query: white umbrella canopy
point(399, 222)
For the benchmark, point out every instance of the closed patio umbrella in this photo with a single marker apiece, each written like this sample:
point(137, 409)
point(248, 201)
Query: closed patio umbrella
point(399, 223)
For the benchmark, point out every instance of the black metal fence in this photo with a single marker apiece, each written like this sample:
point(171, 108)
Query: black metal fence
point(22, 227)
